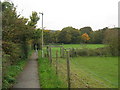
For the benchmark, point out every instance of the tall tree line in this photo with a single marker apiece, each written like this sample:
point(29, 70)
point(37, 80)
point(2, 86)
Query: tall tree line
point(18, 32)
point(70, 35)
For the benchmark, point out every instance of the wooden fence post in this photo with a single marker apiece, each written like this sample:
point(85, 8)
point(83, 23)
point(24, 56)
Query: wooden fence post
point(68, 68)
point(56, 61)
point(47, 48)
point(62, 52)
point(50, 55)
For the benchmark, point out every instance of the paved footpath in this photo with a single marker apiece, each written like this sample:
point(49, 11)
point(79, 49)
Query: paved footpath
point(29, 77)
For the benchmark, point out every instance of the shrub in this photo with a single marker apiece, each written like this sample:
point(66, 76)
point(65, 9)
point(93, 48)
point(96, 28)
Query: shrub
point(13, 50)
point(111, 38)
point(90, 52)
point(83, 52)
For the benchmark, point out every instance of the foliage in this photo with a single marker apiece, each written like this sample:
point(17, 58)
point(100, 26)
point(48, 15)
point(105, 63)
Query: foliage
point(69, 35)
point(48, 36)
point(64, 36)
point(13, 50)
point(87, 30)
point(111, 38)
point(97, 37)
point(17, 35)
point(85, 37)
point(90, 52)
point(33, 19)
point(36, 39)
point(17, 31)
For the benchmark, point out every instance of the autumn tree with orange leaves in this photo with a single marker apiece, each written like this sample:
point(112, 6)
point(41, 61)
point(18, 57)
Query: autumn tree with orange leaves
point(85, 37)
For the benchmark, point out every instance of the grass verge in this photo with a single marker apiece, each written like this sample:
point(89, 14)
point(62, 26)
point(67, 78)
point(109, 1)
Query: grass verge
point(47, 75)
point(9, 79)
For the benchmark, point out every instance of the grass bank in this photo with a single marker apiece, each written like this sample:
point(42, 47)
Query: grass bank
point(47, 75)
point(9, 79)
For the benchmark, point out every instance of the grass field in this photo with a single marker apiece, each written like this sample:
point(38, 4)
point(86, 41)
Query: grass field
point(88, 72)
point(105, 68)
point(93, 46)
point(96, 72)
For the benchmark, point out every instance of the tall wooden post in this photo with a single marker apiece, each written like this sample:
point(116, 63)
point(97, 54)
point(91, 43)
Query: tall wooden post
point(50, 55)
point(47, 48)
point(68, 68)
point(62, 52)
point(57, 62)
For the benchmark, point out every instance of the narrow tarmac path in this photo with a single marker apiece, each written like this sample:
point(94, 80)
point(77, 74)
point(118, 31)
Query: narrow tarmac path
point(29, 77)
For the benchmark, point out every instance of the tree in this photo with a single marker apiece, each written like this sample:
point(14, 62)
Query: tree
point(36, 39)
point(16, 30)
point(47, 36)
point(64, 37)
point(33, 19)
point(85, 37)
point(36, 32)
point(111, 39)
point(87, 30)
point(75, 33)
point(69, 35)
point(97, 36)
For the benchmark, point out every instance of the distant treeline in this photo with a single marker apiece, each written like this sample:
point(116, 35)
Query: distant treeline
point(70, 35)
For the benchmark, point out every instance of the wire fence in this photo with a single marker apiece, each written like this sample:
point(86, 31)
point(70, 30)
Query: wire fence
point(56, 54)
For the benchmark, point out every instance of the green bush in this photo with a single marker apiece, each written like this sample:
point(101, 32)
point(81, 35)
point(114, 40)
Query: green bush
point(112, 39)
point(90, 52)
point(83, 52)
point(13, 50)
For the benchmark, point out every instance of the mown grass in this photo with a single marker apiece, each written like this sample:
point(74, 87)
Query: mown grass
point(104, 68)
point(47, 75)
point(92, 72)
point(9, 79)
point(92, 46)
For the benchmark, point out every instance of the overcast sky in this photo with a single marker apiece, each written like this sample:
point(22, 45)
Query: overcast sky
point(76, 13)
